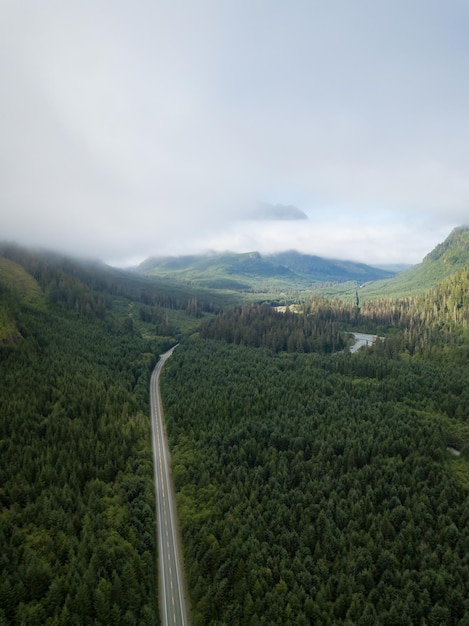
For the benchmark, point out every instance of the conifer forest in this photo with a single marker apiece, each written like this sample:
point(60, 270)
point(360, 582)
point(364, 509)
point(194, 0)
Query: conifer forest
point(313, 485)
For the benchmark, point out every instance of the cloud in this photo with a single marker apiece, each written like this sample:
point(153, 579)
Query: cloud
point(280, 212)
point(375, 240)
point(129, 131)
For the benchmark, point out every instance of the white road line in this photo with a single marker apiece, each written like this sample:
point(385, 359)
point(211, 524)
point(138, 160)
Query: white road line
point(165, 513)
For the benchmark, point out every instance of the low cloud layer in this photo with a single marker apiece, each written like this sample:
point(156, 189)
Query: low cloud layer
point(127, 133)
point(276, 212)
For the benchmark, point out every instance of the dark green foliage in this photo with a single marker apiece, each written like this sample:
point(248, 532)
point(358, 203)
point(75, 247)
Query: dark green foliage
point(312, 488)
point(263, 326)
point(251, 271)
point(431, 325)
point(318, 489)
point(91, 289)
point(77, 516)
point(159, 318)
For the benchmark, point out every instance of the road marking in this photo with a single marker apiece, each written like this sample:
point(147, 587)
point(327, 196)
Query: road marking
point(165, 510)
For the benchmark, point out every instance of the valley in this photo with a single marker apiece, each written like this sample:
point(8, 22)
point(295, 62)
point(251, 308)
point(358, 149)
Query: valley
point(314, 483)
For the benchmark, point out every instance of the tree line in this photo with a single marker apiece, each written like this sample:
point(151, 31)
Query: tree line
point(261, 325)
point(77, 516)
point(313, 486)
point(319, 488)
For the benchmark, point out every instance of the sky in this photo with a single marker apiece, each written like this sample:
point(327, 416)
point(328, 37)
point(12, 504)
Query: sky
point(156, 127)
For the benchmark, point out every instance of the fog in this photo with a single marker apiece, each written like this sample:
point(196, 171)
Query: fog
point(130, 130)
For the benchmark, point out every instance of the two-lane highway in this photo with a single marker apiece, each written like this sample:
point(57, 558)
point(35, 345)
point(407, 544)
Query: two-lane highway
point(172, 603)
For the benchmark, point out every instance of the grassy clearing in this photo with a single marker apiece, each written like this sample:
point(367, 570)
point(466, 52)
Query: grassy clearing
point(16, 279)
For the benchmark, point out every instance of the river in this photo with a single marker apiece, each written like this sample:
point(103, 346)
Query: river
point(362, 339)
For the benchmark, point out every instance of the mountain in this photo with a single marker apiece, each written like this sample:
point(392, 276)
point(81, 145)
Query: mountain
point(17, 286)
point(445, 259)
point(319, 269)
point(252, 271)
point(38, 279)
point(308, 437)
point(217, 271)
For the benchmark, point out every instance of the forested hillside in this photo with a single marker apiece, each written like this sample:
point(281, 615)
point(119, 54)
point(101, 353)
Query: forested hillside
point(327, 489)
point(264, 326)
point(253, 272)
point(77, 517)
point(313, 485)
point(447, 258)
point(93, 289)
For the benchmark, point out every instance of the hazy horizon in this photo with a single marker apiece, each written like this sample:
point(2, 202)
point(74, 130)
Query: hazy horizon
point(338, 129)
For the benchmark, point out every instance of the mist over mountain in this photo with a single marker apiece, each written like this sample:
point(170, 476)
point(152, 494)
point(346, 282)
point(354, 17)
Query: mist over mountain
point(264, 404)
point(447, 258)
point(253, 271)
point(281, 212)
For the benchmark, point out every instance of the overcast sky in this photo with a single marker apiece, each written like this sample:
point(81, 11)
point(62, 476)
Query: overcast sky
point(130, 129)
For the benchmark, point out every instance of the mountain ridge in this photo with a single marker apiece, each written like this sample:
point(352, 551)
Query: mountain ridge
point(446, 258)
point(217, 276)
point(251, 271)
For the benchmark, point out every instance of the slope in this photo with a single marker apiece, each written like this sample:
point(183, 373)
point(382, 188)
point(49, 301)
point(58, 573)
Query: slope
point(16, 285)
point(155, 306)
point(443, 261)
point(253, 272)
point(76, 493)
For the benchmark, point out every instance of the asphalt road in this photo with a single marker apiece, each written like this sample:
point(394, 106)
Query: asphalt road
point(172, 604)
